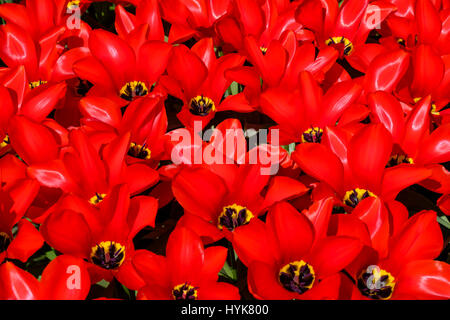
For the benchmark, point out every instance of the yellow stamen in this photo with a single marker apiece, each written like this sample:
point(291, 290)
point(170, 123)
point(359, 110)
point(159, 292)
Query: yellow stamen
point(97, 198)
point(348, 45)
point(35, 84)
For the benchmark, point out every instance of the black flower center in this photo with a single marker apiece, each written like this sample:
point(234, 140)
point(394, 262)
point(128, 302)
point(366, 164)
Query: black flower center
point(234, 216)
point(139, 151)
point(5, 241)
point(297, 276)
point(353, 197)
point(376, 283)
point(108, 254)
point(201, 106)
point(399, 159)
point(83, 87)
point(132, 90)
point(184, 291)
point(312, 135)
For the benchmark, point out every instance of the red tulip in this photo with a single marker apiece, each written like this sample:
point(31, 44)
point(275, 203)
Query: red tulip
point(187, 272)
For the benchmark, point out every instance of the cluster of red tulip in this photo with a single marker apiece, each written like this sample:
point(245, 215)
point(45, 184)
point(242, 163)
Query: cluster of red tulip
point(354, 94)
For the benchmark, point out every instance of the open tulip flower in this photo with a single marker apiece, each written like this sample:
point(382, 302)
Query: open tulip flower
point(408, 271)
point(187, 272)
point(225, 150)
point(355, 167)
point(288, 255)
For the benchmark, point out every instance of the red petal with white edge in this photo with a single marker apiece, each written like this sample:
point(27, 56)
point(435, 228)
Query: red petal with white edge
point(17, 48)
point(65, 278)
point(320, 163)
point(424, 279)
point(17, 284)
point(368, 153)
point(436, 147)
point(386, 70)
point(41, 101)
point(52, 174)
point(417, 125)
point(337, 99)
point(101, 109)
point(124, 22)
point(319, 214)
point(349, 18)
point(387, 110)
point(27, 241)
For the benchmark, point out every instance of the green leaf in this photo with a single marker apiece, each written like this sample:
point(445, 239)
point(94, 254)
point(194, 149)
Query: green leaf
point(228, 272)
point(289, 147)
point(103, 283)
point(50, 255)
point(443, 220)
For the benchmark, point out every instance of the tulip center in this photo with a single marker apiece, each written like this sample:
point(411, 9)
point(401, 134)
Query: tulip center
point(83, 87)
point(312, 135)
point(5, 241)
point(97, 198)
point(376, 283)
point(343, 41)
point(397, 159)
point(234, 216)
point(201, 106)
point(73, 4)
point(433, 110)
point(132, 90)
point(108, 254)
point(5, 142)
point(184, 291)
point(139, 151)
point(297, 276)
point(263, 50)
point(353, 197)
point(35, 84)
